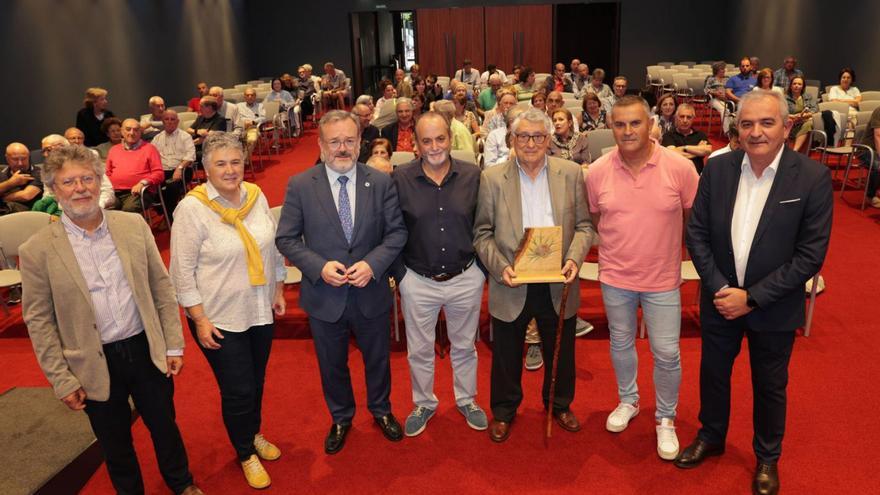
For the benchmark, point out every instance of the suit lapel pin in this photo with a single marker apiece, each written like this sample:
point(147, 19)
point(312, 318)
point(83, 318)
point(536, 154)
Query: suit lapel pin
point(366, 184)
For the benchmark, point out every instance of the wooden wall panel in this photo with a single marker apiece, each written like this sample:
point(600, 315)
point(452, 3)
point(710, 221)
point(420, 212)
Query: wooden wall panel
point(431, 25)
point(531, 23)
point(466, 28)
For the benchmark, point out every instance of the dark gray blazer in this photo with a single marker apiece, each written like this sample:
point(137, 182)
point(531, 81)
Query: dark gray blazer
point(310, 234)
point(789, 245)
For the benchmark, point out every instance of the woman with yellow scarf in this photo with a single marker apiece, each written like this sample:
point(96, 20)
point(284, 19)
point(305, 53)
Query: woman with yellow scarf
point(230, 279)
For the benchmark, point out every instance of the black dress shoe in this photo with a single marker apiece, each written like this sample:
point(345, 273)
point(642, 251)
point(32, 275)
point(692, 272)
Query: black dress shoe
point(696, 453)
point(766, 480)
point(390, 427)
point(336, 438)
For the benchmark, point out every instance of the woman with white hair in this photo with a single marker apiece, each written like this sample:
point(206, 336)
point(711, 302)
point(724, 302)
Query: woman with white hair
point(229, 278)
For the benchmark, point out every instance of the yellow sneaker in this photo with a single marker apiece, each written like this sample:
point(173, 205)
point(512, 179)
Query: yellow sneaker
point(266, 449)
point(255, 474)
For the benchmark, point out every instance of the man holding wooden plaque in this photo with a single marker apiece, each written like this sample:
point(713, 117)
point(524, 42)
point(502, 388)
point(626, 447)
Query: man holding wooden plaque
point(531, 191)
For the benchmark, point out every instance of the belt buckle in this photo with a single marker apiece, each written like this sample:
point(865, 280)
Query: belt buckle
point(441, 277)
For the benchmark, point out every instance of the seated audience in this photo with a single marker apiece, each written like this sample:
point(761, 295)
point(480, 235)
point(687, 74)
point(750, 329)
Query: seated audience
point(74, 136)
point(462, 139)
point(514, 77)
point(227, 110)
point(112, 128)
point(573, 68)
point(209, 120)
point(495, 118)
point(567, 142)
point(288, 84)
point(715, 88)
point(250, 111)
point(151, 123)
point(764, 80)
point(306, 86)
point(20, 181)
point(741, 83)
point(597, 85)
point(381, 147)
point(281, 95)
point(871, 139)
point(420, 90)
point(401, 133)
point(801, 107)
point(593, 116)
point(369, 132)
point(845, 91)
point(580, 81)
point(177, 152)
point(433, 88)
point(195, 103)
point(686, 140)
point(401, 85)
point(134, 166)
point(418, 102)
point(465, 116)
point(782, 76)
point(388, 92)
point(526, 85)
point(468, 76)
point(732, 145)
point(554, 102)
point(754, 62)
point(618, 88)
point(415, 72)
point(93, 113)
point(539, 100)
point(664, 116)
point(559, 82)
point(333, 86)
point(491, 70)
point(488, 96)
point(497, 148)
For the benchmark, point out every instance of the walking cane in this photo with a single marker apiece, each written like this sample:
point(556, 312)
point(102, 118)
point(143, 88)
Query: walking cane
point(555, 364)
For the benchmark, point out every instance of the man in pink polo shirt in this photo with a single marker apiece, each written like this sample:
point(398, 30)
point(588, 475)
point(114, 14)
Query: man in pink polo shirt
point(640, 194)
point(133, 167)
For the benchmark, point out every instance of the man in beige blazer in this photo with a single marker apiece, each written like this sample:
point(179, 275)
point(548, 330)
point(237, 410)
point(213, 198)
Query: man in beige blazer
point(530, 190)
point(104, 322)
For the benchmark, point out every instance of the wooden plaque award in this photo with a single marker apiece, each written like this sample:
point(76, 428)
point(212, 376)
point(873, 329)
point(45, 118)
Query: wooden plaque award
point(538, 258)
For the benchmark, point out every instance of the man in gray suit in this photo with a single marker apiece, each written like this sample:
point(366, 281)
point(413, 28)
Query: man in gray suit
point(531, 190)
point(104, 322)
point(341, 225)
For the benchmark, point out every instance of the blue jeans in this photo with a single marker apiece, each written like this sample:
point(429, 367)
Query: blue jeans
point(662, 313)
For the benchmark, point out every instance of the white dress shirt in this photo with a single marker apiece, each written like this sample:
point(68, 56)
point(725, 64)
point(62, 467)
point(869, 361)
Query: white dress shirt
point(751, 196)
point(537, 210)
point(335, 186)
point(174, 148)
point(116, 313)
point(255, 113)
point(496, 151)
point(209, 264)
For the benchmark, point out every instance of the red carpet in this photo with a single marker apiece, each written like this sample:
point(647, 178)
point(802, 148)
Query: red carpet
point(833, 399)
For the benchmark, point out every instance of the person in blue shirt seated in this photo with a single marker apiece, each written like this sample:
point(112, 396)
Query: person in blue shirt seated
point(741, 83)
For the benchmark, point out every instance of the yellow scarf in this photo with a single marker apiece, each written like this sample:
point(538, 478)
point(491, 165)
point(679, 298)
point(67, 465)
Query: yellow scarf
point(234, 217)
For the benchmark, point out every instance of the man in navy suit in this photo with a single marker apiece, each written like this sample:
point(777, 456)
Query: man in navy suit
point(342, 226)
point(758, 231)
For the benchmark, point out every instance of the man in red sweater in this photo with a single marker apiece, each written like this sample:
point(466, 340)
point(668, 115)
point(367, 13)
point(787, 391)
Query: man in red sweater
point(134, 168)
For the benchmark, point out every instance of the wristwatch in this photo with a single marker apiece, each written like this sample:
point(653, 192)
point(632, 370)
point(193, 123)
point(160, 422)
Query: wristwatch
point(750, 301)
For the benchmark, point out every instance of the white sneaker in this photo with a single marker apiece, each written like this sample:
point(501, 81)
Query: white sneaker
point(620, 417)
point(582, 327)
point(667, 440)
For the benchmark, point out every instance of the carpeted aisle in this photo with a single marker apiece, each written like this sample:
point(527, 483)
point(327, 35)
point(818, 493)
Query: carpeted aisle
point(833, 400)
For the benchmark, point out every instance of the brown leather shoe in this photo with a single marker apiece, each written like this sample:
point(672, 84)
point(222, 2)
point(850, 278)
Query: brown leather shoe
point(696, 453)
point(568, 421)
point(499, 430)
point(766, 481)
point(192, 490)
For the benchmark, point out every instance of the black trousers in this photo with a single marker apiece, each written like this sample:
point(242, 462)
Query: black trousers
point(132, 373)
point(175, 189)
point(769, 354)
point(507, 355)
point(331, 346)
point(126, 201)
point(239, 366)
